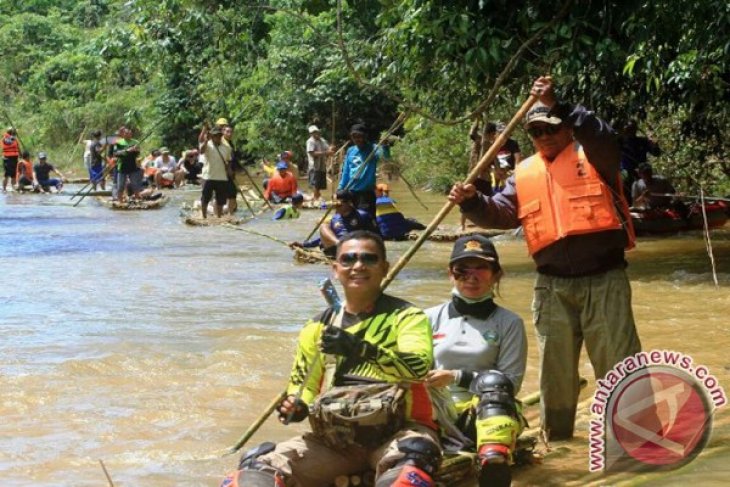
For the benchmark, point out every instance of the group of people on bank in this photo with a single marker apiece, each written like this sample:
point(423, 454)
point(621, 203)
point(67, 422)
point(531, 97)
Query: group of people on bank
point(385, 384)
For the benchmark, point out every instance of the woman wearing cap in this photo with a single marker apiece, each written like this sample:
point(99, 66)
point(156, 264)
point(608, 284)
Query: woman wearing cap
point(480, 354)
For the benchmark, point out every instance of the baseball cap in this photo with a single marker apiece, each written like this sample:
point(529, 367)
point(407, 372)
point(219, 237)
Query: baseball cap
point(358, 128)
point(297, 198)
point(474, 246)
point(282, 165)
point(216, 131)
point(221, 121)
point(313, 128)
point(164, 150)
point(42, 155)
point(541, 113)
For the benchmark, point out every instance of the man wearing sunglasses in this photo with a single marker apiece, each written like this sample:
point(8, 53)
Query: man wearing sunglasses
point(569, 199)
point(373, 339)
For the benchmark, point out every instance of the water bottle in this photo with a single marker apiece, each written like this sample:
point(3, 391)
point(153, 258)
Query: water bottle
point(329, 292)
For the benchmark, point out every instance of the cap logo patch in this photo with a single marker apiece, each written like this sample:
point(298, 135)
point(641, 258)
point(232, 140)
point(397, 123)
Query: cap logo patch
point(472, 246)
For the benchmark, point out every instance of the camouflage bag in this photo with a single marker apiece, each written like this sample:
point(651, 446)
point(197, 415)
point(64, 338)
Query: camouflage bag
point(364, 415)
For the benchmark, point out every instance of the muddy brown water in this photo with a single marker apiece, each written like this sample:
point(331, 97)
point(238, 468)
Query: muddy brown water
point(133, 338)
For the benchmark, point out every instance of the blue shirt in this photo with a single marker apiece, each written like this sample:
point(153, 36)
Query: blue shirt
point(353, 160)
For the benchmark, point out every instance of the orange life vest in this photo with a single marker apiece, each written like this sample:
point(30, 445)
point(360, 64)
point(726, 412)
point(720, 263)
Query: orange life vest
point(24, 168)
point(567, 197)
point(10, 149)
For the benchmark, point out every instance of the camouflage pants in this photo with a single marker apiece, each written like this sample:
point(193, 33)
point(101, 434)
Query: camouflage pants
point(307, 462)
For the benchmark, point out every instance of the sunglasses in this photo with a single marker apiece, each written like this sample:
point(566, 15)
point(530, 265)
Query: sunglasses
point(461, 272)
point(348, 259)
point(536, 132)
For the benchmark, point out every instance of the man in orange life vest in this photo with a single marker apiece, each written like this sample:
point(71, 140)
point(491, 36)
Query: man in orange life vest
point(568, 198)
point(11, 151)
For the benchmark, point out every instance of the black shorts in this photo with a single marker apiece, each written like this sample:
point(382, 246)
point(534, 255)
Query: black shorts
point(220, 188)
point(317, 179)
point(23, 181)
point(11, 166)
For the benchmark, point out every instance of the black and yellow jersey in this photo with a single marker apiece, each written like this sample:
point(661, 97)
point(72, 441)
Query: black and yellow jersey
point(402, 335)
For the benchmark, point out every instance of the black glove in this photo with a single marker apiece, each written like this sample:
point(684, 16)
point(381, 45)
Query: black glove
point(301, 411)
point(339, 342)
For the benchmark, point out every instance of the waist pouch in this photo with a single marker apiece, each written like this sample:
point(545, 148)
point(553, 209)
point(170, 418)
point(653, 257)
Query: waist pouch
point(364, 415)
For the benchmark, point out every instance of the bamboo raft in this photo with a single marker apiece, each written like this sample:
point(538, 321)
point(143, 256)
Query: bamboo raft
point(310, 256)
point(451, 235)
point(212, 221)
point(134, 205)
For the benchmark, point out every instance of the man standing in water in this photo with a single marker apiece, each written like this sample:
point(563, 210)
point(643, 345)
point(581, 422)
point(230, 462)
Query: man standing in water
point(568, 198)
point(375, 341)
point(359, 180)
point(317, 152)
point(216, 157)
point(126, 151)
point(11, 152)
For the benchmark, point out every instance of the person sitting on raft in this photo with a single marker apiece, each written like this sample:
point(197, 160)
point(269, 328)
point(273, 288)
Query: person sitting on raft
point(480, 355)
point(282, 185)
point(290, 211)
point(372, 355)
point(43, 172)
point(25, 176)
point(347, 219)
point(651, 191)
point(190, 166)
point(391, 222)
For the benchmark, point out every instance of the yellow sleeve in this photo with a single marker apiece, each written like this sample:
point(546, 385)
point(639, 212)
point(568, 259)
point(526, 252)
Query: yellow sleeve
point(307, 357)
point(412, 356)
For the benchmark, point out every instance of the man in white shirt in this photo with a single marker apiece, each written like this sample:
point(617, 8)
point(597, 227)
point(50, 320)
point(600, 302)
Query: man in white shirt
point(317, 152)
point(216, 158)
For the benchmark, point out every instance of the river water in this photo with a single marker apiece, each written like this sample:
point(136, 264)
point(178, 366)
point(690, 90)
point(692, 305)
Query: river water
point(132, 338)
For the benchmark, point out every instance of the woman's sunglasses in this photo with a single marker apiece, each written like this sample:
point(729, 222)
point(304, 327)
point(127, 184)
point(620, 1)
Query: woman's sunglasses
point(536, 132)
point(348, 259)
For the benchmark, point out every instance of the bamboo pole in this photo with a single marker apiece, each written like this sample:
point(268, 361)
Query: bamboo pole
point(413, 192)
point(109, 168)
point(258, 190)
point(256, 425)
point(483, 162)
point(106, 473)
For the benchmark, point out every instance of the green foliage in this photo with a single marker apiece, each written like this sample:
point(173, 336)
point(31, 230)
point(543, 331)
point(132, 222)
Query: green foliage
point(274, 67)
point(434, 155)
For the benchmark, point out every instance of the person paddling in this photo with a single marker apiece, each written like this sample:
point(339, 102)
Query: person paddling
point(347, 219)
point(569, 199)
